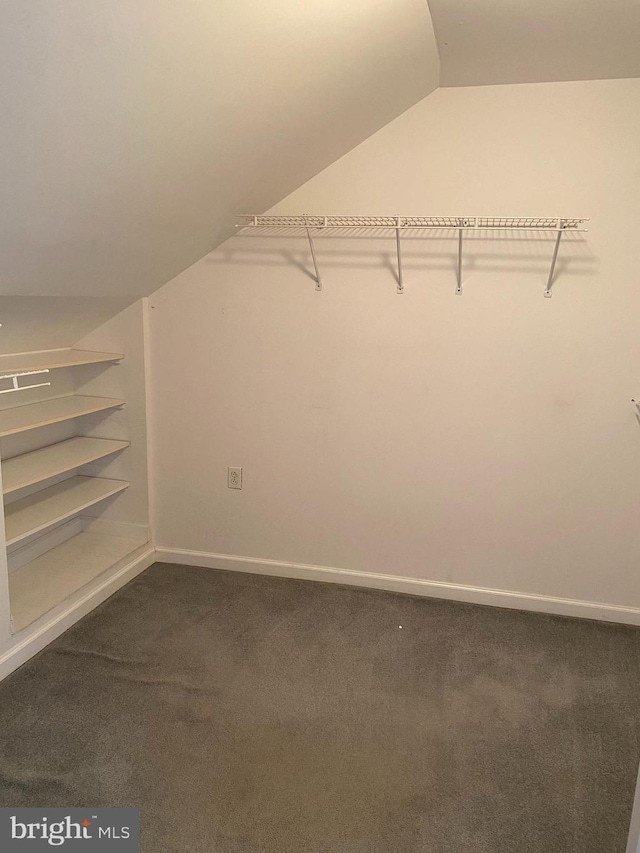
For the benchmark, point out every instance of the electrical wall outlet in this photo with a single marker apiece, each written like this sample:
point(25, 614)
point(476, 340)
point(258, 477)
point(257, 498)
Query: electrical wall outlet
point(234, 478)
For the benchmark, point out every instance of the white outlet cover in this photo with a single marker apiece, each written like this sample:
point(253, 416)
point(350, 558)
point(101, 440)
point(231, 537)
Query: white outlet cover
point(234, 478)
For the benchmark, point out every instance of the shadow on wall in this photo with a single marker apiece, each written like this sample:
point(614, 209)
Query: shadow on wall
point(434, 251)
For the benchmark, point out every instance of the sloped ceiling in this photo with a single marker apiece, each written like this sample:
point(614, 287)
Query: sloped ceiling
point(530, 41)
point(133, 131)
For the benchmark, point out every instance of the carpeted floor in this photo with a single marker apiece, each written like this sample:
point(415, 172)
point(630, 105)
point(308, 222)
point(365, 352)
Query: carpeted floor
point(246, 714)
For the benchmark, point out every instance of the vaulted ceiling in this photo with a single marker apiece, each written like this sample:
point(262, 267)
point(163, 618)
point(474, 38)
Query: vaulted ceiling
point(133, 131)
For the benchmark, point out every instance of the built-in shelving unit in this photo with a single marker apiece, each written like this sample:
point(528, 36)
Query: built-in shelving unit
point(43, 509)
point(40, 465)
point(25, 362)
point(34, 415)
point(56, 576)
point(55, 550)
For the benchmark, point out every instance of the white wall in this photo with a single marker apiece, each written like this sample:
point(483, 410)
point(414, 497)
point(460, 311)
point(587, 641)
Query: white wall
point(484, 440)
point(32, 323)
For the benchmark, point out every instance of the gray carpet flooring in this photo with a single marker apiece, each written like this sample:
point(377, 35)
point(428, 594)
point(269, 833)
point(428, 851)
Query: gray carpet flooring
point(246, 714)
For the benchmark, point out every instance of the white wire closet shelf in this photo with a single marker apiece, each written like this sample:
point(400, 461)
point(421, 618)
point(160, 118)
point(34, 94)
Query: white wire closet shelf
point(308, 223)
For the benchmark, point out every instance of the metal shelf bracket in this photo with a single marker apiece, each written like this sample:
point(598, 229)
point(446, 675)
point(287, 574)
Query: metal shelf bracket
point(547, 290)
point(400, 288)
point(313, 255)
point(15, 385)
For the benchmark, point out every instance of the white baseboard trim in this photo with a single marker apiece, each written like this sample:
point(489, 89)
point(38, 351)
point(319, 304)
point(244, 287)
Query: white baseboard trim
point(35, 637)
point(412, 586)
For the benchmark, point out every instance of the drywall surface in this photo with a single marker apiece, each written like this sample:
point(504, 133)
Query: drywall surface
point(516, 41)
point(51, 322)
point(486, 439)
point(132, 132)
point(126, 380)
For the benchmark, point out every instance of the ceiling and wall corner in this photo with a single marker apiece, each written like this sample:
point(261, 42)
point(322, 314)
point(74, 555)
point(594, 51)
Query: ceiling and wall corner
point(484, 42)
point(133, 132)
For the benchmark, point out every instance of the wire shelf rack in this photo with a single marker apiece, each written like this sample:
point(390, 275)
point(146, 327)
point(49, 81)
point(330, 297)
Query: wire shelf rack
point(340, 225)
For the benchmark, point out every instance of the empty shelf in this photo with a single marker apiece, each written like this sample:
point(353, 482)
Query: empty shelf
point(56, 459)
point(22, 418)
point(53, 577)
point(50, 359)
point(47, 507)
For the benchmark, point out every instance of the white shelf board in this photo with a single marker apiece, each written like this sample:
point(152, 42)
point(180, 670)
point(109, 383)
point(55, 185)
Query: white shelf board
point(51, 359)
point(39, 465)
point(23, 418)
point(53, 577)
point(47, 507)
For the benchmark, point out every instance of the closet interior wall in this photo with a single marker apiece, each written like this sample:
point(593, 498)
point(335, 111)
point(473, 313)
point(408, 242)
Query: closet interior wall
point(478, 445)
